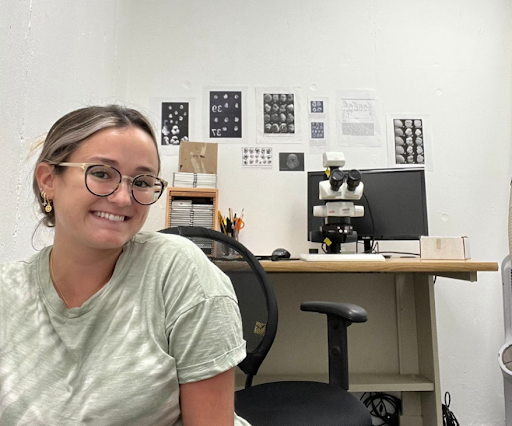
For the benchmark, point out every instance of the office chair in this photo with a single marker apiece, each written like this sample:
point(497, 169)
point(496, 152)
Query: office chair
point(290, 403)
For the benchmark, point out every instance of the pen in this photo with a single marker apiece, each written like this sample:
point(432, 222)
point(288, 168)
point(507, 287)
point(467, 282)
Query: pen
point(232, 224)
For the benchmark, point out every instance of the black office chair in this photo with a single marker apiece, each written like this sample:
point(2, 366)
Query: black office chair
point(291, 403)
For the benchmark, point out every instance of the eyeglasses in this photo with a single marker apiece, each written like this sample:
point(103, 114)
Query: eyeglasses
point(103, 180)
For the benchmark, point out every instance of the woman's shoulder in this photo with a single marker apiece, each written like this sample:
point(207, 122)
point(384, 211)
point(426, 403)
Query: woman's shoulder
point(17, 275)
point(164, 243)
point(19, 266)
point(155, 237)
point(163, 251)
point(184, 261)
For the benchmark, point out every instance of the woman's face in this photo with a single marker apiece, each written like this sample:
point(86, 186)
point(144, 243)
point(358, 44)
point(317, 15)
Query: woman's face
point(77, 212)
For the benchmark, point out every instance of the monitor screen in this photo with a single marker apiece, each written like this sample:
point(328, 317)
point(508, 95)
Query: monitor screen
point(396, 199)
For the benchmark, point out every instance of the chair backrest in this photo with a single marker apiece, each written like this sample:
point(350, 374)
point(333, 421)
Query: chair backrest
point(256, 298)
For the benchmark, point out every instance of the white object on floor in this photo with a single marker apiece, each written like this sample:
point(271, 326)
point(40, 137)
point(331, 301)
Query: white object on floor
point(505, 353)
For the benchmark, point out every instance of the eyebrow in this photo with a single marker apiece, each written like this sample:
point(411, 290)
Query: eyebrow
point(114, 163)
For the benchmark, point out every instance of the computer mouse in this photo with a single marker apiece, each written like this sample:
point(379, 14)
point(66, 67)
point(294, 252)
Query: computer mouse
point(280, 253)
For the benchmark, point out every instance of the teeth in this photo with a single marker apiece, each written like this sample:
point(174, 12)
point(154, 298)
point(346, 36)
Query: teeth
point(110, 216)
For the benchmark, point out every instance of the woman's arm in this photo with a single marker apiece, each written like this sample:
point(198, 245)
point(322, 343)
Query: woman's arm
point(209, 402)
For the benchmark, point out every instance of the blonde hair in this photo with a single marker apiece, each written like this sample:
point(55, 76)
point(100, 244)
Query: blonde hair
point(68, 133)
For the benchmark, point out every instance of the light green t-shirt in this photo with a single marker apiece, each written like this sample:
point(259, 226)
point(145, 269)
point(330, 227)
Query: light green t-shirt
point(167, 316)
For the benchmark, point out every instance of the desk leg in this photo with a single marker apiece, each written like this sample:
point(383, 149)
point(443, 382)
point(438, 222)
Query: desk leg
point(428, 352)
point(417, 346)
point(406, 324)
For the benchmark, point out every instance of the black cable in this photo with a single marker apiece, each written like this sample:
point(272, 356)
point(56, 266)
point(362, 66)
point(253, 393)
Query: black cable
point(448, 417)
point(400, 252)
point(384, 407)
point(407, 253)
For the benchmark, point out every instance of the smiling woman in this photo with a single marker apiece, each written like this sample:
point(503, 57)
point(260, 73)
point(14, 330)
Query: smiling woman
point(70, 132)
point(113, 325)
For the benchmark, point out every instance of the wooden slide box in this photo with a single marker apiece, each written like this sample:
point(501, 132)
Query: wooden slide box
point(445, 248)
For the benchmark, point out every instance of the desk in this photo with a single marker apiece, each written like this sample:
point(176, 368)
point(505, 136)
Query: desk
point(395, 351)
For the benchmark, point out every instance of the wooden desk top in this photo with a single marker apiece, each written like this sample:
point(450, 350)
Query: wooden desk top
point(394, 265)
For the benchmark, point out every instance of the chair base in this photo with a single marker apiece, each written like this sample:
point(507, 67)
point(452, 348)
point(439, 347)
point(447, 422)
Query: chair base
point(300, 404)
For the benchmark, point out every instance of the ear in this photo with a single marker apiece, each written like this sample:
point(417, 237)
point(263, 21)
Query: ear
point(46, 178)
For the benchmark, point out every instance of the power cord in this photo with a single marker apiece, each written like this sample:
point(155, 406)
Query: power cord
point(384, 407)
point(448, 417)
point(406, 253)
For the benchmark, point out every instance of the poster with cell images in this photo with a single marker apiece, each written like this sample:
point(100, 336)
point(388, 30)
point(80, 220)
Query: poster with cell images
point(408, 140)
point(318, 125)
point(317, 130)
point(358, 123)
point(173, 120)
point(257, 157)
point(318, 107)
point(278, 115)
point(174, 123)
point(224, 115)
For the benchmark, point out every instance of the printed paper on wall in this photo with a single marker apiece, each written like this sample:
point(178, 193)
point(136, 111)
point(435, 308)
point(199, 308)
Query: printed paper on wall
point(278, 115)
point(357, 114)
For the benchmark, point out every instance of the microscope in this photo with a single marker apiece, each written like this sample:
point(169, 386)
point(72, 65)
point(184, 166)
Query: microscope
point(338, 190)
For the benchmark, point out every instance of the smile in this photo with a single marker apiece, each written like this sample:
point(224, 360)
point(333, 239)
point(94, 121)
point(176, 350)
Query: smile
point(110, 216)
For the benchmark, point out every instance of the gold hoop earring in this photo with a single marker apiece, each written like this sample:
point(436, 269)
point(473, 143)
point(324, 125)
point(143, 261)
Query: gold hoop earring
point(47, 203)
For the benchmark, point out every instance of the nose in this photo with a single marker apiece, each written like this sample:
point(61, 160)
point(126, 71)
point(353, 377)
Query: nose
point(122, 195)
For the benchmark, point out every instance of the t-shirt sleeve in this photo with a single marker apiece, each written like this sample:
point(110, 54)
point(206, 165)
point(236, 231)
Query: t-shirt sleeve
point(207, 339)
point(202, 318)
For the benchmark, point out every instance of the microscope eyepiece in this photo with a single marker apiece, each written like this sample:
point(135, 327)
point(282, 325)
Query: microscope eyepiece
point(336, 179)
point(353, 179)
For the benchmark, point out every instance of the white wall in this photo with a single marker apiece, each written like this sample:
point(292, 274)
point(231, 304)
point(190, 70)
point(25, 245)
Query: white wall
point(451, 60)
point(56, 56)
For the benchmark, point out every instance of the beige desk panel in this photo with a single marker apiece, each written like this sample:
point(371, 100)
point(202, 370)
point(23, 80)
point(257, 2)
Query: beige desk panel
point(302, 336)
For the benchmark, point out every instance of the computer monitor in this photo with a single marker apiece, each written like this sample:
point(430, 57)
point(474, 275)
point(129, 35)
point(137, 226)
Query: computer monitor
point(394, 198)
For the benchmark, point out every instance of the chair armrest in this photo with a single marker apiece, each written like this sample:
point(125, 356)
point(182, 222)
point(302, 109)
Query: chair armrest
point(339, 317)
point(348, 311)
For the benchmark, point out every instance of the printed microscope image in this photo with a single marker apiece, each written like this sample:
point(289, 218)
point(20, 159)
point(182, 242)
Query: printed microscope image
point(279, 113)
point(174, 126)
point(409, 141)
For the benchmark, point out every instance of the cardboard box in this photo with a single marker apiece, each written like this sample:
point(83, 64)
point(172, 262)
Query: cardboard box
point(444, 248)
point(198, 157)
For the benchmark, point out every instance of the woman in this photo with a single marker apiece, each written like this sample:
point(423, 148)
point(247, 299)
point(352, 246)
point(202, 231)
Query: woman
point(112, 326)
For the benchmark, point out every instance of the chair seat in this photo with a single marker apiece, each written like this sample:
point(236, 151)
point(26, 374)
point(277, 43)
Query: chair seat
point(300, 404)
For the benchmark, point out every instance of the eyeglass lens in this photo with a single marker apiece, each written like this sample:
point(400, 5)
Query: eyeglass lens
point(102, 181)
